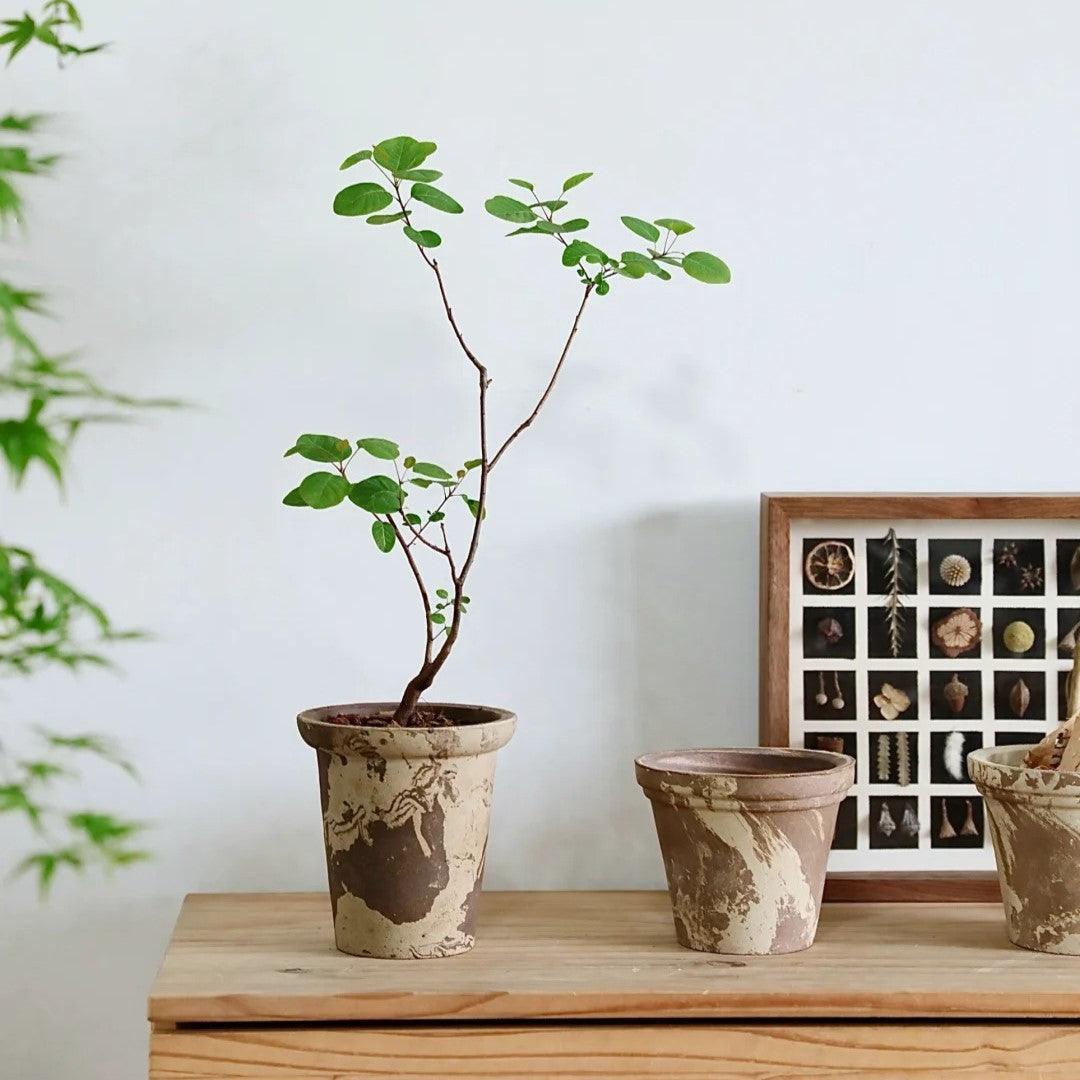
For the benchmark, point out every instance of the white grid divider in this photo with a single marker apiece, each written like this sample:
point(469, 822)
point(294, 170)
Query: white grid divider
point(918, 607)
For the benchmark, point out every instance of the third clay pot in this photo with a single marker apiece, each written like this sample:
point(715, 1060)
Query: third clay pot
point(745, 836)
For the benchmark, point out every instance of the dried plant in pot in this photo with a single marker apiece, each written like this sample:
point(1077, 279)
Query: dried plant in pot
point(1032, 796)
point(406, 785)
point(745, 837)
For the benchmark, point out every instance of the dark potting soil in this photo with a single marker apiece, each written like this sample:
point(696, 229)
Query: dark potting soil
point(421, 718)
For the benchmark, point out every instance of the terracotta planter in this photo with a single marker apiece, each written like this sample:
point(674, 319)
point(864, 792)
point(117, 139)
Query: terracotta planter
point(745, 836)
point(405, 819)
point(1034, 820)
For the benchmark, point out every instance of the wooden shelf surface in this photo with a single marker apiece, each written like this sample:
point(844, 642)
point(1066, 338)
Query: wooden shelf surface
point(269, 958)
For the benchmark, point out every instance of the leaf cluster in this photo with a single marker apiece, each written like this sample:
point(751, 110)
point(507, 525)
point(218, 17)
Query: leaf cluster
point(50, 28)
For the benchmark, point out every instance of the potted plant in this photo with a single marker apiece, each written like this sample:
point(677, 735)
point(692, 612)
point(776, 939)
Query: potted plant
point(1032, 798)
point(406, 785)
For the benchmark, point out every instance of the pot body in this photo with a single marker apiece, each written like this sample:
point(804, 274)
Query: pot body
point(1034, 820)
point(405, 819)
point(745, 836)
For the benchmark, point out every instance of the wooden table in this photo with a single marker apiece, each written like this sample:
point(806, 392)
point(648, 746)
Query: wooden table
point(592, 985)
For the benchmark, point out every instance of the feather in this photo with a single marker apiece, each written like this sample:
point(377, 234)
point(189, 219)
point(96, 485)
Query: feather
point(953, 754)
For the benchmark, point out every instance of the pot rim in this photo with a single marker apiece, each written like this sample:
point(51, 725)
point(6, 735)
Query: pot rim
point(654, 761)
point(995, 776)
point(495, 715)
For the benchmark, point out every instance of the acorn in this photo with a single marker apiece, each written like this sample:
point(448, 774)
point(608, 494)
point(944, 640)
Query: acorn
point(955, 694)
point(955, 571)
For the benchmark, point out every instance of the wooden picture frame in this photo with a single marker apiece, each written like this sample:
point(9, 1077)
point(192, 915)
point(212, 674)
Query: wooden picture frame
point(781, 514)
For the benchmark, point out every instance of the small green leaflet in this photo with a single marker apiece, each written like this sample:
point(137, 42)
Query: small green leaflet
point(507, 209)
point(642, 228)
point(437, 617)
point(474, 463)
point(442, 594)
point(424, 237)
point(383, 535)
point(321, 490)
point(423, 175)
point(377, 494)
point(359, 199)
point(577, 250)
point(402, 153)
point(380, 448)
point(437, 199)
point(522, 183)
point(635, 258)
point(321, 448)
point(573, 181)
point(705, 267)
point(679, 228)
point(436, 472)
point(353, 159)
point(385, 219)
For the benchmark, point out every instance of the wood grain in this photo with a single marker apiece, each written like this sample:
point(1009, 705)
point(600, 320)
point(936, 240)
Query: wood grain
point(933, 887)
point(592, 955)
point(597, 1051)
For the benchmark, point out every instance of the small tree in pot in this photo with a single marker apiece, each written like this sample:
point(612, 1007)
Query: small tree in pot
point(406, 787)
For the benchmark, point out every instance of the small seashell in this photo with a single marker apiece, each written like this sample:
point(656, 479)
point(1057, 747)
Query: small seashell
point(1019, 698)
point(1018, 637)
point(955, 571)
point(955, 694)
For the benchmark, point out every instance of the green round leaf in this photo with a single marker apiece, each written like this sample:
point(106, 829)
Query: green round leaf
point(423, 175)
point(577, 250)
point(632, 270)
point(603, 288)
point(705, 267)
point(438, 618)
point(294, 498)
point(635, 258)
point(642, 228)
point(442, 594)
point(380, 448)
point(574, 225)
point(402, 153)
point(385, 219)
point(322, 448)
point(437, 199)
point(424, 237)
point(573, 181)
point(436, 472)
point(359, 199)
point(409, 462)
point(377, 494)
point(507, 209)
point(352, 159)
point(383, 534)
point(321, 490)
point(679, 228)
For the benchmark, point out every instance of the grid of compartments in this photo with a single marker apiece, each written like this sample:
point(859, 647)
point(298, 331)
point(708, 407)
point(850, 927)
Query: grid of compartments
point(913, 643)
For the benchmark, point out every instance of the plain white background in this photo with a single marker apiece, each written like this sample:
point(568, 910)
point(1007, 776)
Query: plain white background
point(894, 189)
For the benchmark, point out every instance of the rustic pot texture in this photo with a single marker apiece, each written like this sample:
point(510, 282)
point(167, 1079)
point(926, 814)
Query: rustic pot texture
point(745, 836)
point(405, 820)
point(1034, 821)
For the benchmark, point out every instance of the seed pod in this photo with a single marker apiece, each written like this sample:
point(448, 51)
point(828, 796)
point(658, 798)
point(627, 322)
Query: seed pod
point(830, 630)
point(955, 694)
point(1018, 637)
point(955, 571)
point(1019, 698)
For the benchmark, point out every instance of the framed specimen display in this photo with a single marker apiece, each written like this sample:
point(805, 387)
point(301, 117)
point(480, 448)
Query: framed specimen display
point(906, 631)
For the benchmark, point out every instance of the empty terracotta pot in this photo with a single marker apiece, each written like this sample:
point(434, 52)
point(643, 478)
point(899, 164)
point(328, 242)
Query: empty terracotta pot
point(405, 820)
point(1034, 820)
point(745, 836)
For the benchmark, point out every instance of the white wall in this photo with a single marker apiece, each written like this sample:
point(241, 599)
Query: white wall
point(893, 187)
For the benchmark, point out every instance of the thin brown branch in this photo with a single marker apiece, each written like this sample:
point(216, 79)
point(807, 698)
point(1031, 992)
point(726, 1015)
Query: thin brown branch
point(425, 599)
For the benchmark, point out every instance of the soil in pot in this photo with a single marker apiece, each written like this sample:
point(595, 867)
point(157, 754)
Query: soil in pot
point(745, 837)
point(405, 822)
point(1034, 820)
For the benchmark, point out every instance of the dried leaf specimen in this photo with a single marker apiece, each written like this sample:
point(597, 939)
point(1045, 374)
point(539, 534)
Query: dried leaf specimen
point(883, 764)
point(955, 694)
point(1019, 698)
point(891, 701)
point(958, 632)
point(955, 571)
point(946, 831)
point(903, 759)
point(830, 565)
point(953, 754)
point(894, 606)
point(1018, 637)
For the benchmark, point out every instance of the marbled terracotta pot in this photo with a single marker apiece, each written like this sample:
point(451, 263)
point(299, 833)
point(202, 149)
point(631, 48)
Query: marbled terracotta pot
point(1034, 819)
point(405, 819)
point(745, 836)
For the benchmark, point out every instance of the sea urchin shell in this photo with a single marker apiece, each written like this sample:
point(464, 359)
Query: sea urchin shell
point(955, 571)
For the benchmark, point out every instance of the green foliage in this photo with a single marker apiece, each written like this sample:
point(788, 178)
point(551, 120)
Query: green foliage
point(380, 448)
point(57, 19)
point(433, 197)
point(359, 199)
point(383, 534)
point(705, 267)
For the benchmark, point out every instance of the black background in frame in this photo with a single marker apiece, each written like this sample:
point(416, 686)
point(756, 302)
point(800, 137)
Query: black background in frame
point(877, 634)
point(899, 838)
point(1007, 578)
point(908, 681)
point(937, 613)
point(807, 546)
point(846, 836)
point(1065, 551)
point(1034, 617)
point(956, 807)
point(973, 740)
point(971, 550)
point(1017, 738)
point(1003, 684)
point(877, 553)
point(939, 708)
point(815, 646)
point(874, 741)
point(1067, 618)
point(813, 711)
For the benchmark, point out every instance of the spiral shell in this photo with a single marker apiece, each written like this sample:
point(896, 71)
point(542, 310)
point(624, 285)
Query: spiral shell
point(955, 571)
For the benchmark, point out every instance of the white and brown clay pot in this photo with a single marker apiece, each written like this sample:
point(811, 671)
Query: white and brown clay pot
point(745, 836)
point(1034, 820)
point(405, 819)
